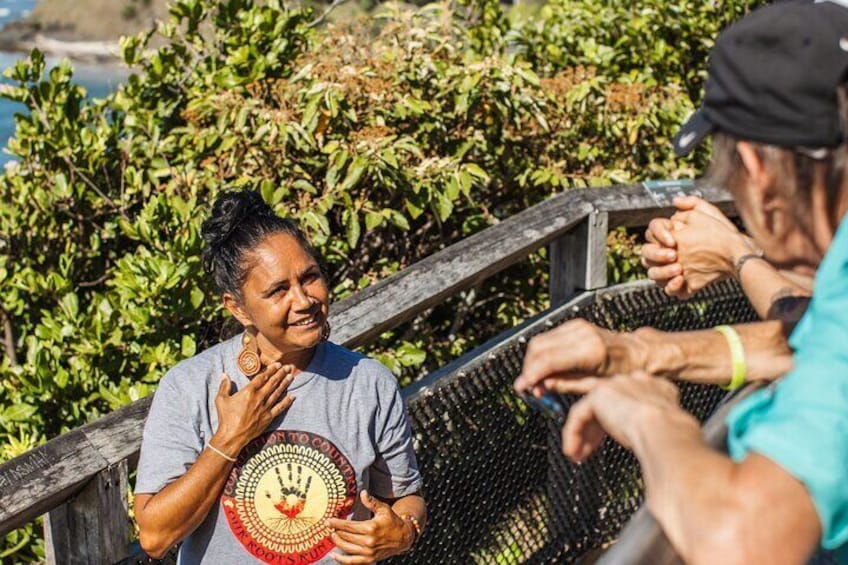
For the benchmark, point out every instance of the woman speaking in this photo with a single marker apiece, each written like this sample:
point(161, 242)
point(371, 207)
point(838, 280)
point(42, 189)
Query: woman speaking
point(275, 446)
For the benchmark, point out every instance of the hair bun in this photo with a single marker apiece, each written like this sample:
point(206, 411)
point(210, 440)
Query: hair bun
point(240, 220)
point(230, 210)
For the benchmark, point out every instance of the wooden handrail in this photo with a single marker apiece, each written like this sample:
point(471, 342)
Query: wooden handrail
point(50, 475)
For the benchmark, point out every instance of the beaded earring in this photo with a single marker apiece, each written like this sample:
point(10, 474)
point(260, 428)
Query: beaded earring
point(248, 358)
point(325, 334)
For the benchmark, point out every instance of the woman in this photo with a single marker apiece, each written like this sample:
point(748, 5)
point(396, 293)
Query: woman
point(261, 448)
point(776, 104)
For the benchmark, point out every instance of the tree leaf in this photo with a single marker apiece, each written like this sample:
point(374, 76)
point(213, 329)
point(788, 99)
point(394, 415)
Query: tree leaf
point(352, 228)
point(354, 173)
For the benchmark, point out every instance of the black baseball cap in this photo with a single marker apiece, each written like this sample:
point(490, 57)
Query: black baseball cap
point(772, 77)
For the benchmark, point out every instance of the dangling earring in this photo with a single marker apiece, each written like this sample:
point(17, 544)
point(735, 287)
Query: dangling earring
point(325, 334)
point(248, 358)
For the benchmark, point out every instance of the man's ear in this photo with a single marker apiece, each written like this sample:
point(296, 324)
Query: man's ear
point(764, 200)
point(759, 180)
point(233, 304)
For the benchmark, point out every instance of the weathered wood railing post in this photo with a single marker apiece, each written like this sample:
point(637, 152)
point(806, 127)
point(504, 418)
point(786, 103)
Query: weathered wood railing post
point(579, 259)
point(578, 262)
point(93, 527)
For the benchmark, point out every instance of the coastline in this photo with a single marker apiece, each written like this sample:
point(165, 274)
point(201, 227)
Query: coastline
point(97, 66)
point(82, 30)
point(18, 37)
point(86, 51)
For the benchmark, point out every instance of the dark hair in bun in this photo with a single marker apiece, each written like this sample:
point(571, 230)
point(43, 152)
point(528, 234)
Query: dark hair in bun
point(240, 221)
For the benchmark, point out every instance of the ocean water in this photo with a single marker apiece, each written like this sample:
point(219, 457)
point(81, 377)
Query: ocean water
point(98, 79)
point(11, 10)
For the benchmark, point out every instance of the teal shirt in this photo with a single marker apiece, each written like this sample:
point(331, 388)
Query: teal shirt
point(801, 422)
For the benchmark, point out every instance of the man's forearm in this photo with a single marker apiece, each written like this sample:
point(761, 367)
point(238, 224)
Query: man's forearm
point(687, 483)
point(703, 356)
point(764, 285)
point(714, 510)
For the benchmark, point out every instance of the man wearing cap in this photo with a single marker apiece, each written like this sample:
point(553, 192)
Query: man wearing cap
point(776, 106)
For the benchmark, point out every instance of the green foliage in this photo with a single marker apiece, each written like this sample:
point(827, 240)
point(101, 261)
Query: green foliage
point(386, 140)
point(648, 42)
point(623, 258)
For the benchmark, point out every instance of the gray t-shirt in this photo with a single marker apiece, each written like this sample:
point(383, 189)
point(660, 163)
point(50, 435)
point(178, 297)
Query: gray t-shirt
point(346, 431)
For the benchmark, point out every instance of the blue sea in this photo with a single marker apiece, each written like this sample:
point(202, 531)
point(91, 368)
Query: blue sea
point(98, 79)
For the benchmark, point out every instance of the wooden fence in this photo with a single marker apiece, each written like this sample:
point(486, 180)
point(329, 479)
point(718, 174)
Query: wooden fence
point(79, 479)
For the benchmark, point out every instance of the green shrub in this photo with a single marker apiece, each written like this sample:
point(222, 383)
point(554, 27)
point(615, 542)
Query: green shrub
point(386, 140)
point(647, 42)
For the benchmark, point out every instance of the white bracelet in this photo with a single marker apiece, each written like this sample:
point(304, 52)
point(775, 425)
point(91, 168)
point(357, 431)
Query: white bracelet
point(221, 453)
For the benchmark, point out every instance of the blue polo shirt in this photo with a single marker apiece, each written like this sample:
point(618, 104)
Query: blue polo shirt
point(801, 421)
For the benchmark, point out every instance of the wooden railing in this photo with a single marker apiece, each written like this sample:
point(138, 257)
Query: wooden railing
point(79, 479)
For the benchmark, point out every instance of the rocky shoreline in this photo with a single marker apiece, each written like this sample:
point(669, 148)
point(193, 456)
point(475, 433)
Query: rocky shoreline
point(25, 40)
point(86, 30)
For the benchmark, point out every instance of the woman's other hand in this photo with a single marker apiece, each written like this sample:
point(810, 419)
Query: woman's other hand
point(369, 541)
point(247, 413)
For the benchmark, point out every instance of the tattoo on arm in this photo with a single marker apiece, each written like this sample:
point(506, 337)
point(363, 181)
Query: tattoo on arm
point(740, 262)
point(788, 308)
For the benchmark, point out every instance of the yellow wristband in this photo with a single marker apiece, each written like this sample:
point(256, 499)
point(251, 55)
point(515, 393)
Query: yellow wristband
point(737, 357)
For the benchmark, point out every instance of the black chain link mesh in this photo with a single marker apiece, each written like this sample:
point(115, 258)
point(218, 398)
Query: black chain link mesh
point(498, 490)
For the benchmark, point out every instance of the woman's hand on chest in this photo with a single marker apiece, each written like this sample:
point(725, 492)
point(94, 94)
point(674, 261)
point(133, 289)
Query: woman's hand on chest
point(247, 413)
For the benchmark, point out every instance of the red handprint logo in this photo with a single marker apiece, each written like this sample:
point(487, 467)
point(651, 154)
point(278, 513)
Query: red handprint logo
point(293, 493)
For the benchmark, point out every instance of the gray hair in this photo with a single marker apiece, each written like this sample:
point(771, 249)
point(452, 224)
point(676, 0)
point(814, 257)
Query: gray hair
point(796, 170)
